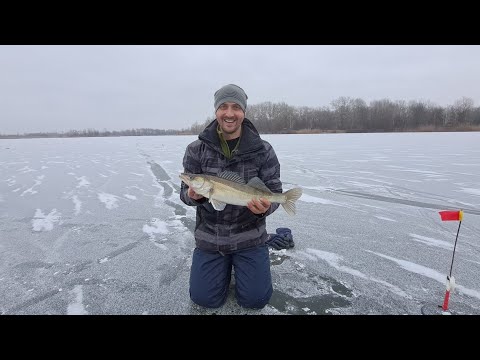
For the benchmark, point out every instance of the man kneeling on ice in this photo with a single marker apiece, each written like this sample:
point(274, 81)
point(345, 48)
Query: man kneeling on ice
point(232, 236)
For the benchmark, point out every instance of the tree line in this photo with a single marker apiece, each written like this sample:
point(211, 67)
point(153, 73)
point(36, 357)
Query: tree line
point(93, 133)
point(347, 114)
point(344, 114)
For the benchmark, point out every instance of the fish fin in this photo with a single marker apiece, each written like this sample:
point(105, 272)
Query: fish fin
point(232, 176)
point(217, 205)
point(292, 195)
point(257, 183)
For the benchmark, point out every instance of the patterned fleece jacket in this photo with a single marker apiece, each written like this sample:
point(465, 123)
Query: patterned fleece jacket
point(236, 227)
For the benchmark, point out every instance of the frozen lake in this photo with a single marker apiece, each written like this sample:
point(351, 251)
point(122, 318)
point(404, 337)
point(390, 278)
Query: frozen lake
point(96, 226)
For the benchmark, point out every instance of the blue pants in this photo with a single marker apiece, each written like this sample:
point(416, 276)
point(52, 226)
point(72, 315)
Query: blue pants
point(211, 273)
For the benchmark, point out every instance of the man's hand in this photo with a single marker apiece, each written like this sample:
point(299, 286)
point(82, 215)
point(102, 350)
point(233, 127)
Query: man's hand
point(193, 195)
point(259, 206)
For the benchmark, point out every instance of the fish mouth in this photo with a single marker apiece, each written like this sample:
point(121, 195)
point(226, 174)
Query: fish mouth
point(185, 178)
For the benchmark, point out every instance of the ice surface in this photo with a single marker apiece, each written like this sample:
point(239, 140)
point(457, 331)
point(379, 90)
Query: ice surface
point(96, 226)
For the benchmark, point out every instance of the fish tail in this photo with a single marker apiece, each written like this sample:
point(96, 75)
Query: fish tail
point(292, 195)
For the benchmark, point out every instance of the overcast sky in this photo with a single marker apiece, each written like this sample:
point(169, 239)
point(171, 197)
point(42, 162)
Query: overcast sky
point(61, 88)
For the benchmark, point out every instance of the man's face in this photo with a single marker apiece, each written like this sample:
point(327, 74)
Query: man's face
point(230, 117)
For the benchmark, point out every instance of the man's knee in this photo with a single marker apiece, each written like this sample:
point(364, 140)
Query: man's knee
point(255, 300)
point(207, 300)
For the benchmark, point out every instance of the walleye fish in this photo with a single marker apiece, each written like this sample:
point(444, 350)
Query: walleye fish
point(229, 188)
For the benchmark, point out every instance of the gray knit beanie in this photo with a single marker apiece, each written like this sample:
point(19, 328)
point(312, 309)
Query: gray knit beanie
point(231, 93)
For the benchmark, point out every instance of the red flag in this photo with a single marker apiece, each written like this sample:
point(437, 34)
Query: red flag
point(451, 215)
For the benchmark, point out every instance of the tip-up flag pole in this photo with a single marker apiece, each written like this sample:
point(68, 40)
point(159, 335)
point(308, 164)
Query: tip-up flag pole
point(451, 216)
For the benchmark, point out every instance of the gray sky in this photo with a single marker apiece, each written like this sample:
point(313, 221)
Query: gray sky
point(60, 88)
